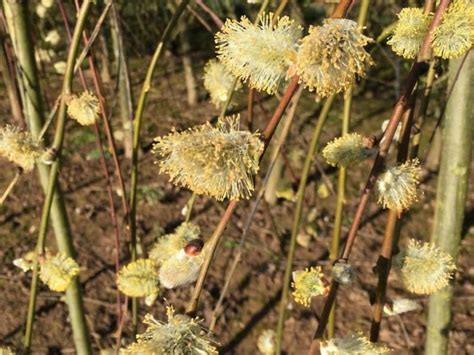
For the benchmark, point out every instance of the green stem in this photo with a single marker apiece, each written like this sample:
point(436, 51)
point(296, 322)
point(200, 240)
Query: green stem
point(341, 191)
point(54, 204)
point(341, 178)
point(297, 218)
point(137, 122)
point(451, 194)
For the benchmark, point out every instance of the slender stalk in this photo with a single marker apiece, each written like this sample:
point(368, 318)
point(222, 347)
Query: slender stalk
point(10, 186)
point(19, 28)
point(273, 160)
point(451, 195)
point(340, 200)
point(103, 163)
point(189, 207)
point(137, 122)
point(417, 69)
point(341, 179)
point(310, 156)
point(9, 82)
point(392, 232)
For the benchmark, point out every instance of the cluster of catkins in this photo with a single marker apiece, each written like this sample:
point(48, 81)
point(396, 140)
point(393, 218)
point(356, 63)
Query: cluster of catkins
point(221, 161)
point(174, 260)
point(452, 38)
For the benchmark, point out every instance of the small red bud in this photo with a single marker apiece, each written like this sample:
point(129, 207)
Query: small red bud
point(194, 247)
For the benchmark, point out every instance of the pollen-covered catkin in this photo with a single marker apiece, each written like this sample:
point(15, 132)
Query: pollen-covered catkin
point(331, 56)
point(424, 268)
point(266, 342)
point(138, 279)
point(400, 306)
point(168, 245)
point(84, 109)
point(409, 32)
point(57, 271)
point(260, 54)
point(19, 147)
point(183, 267)
point(455, 34)
point(180, 335)
point(307, 284)
point(346, 151)
point(398, 187)
point(216, 161)
point(355, 344)
point(218, 81)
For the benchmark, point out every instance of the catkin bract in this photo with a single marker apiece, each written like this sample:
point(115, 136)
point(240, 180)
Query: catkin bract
point(180, 335)
point(307, 284)
point(409, 32)
point(398, 187)
point(216, 161)
point(424, 268)
point(19, 147)
point(331, 56)
point(57, 271)
point(84, 108)
point(168, 245)
point(455, 34)
point(138, 279)
point(218, 81)
point(260, 54)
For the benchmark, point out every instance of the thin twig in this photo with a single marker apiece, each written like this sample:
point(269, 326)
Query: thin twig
point(10, 186)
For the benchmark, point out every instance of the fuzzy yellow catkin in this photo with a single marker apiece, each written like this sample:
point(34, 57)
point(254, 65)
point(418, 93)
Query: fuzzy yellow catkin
point(19, 147)
point(180, 335)
point(216, 161)
point(424, 268)
point(260, 54)
point(409, 32)
point(57, 271)
point(398, 187)
point(345, 151)
point(5, 350)
point(181, 269)
point(168, 245)
point(84, 108)
point(138, 279)
point(266, 342)
point(307, 284)
point(331, 56)
point(355, 344)
point(218, 81)
point(455, 34)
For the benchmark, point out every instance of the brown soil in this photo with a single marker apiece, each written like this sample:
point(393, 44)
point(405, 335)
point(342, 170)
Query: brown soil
point(252, 303)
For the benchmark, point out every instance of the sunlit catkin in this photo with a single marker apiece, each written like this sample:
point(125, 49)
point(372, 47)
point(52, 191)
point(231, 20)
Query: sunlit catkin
point(183, 267)
point(398, 187)
point(216, 161)
point(169, 244)
point(218, 81)
point(260, 54)
point(19, 147)
point(84, 109)
point(138, 279)
point(455, 35)
point(266, 342)
point(57, 271)
point(409, 32)
point(180, 335)
point(331, 56)
point(5, 350)
point(307, 284)
point(424, 268)
point(346, 151)
point(355, 344)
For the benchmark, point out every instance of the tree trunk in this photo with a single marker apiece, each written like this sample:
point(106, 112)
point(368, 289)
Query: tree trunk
point(451, 194)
